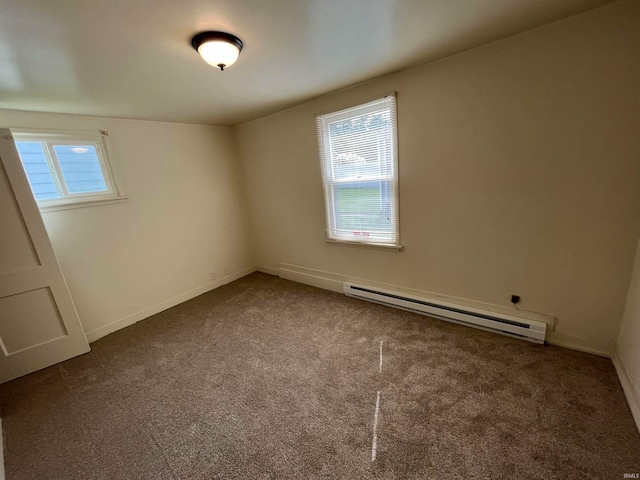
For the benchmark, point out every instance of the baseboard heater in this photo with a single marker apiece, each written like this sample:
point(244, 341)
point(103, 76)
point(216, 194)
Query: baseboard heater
point(511, 326)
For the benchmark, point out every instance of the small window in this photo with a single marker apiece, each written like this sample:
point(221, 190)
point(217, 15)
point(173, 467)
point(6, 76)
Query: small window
point(358, 154)
point(67, 168)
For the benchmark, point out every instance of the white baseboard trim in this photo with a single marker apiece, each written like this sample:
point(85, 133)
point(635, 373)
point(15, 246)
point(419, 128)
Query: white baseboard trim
point(310, 276)
point(334, 282)
point(94, 335)
point(268, 270)
point(630, 389)
point(579, 344)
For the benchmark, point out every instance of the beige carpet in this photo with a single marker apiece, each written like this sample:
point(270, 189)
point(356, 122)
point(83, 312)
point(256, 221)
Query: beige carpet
point(266, 378)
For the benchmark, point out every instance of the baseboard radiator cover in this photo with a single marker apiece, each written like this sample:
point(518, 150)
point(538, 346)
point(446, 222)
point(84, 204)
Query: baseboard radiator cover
point(500, 323)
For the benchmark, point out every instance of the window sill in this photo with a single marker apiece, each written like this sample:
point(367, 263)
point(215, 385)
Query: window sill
point(375, 246)
point(82, 204)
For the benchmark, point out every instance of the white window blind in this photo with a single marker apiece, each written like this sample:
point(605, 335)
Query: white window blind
point(358, 154)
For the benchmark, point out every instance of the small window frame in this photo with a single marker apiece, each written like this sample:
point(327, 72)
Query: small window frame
point(330, 183)
point(51, 138)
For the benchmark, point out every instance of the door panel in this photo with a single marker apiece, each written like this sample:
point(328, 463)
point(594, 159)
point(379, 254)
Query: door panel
point(46, 324)
point(39, 325)
point(17, 249)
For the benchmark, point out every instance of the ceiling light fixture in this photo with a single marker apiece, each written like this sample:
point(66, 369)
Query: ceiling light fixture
point(219, 49)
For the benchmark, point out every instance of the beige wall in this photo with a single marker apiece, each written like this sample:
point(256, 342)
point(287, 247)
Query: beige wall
point(519, 173)
point(628, 351)
point(186, 216)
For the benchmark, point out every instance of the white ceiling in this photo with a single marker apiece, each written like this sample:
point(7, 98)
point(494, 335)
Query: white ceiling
point(133, 58)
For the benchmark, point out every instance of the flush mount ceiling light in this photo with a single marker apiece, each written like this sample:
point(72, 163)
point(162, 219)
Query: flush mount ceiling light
point(219, 49)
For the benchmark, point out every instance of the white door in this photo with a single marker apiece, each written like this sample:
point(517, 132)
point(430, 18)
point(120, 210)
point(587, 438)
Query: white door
point(39, 325)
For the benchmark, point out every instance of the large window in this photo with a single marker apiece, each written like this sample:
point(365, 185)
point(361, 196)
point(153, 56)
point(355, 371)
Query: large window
point(358, 154)
point(66, 168)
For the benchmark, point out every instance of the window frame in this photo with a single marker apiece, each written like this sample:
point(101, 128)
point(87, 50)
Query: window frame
point(330, 184)
point(96, 139)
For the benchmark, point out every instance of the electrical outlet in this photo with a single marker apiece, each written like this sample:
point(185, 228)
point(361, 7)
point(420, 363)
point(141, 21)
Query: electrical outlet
point(213, 275)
